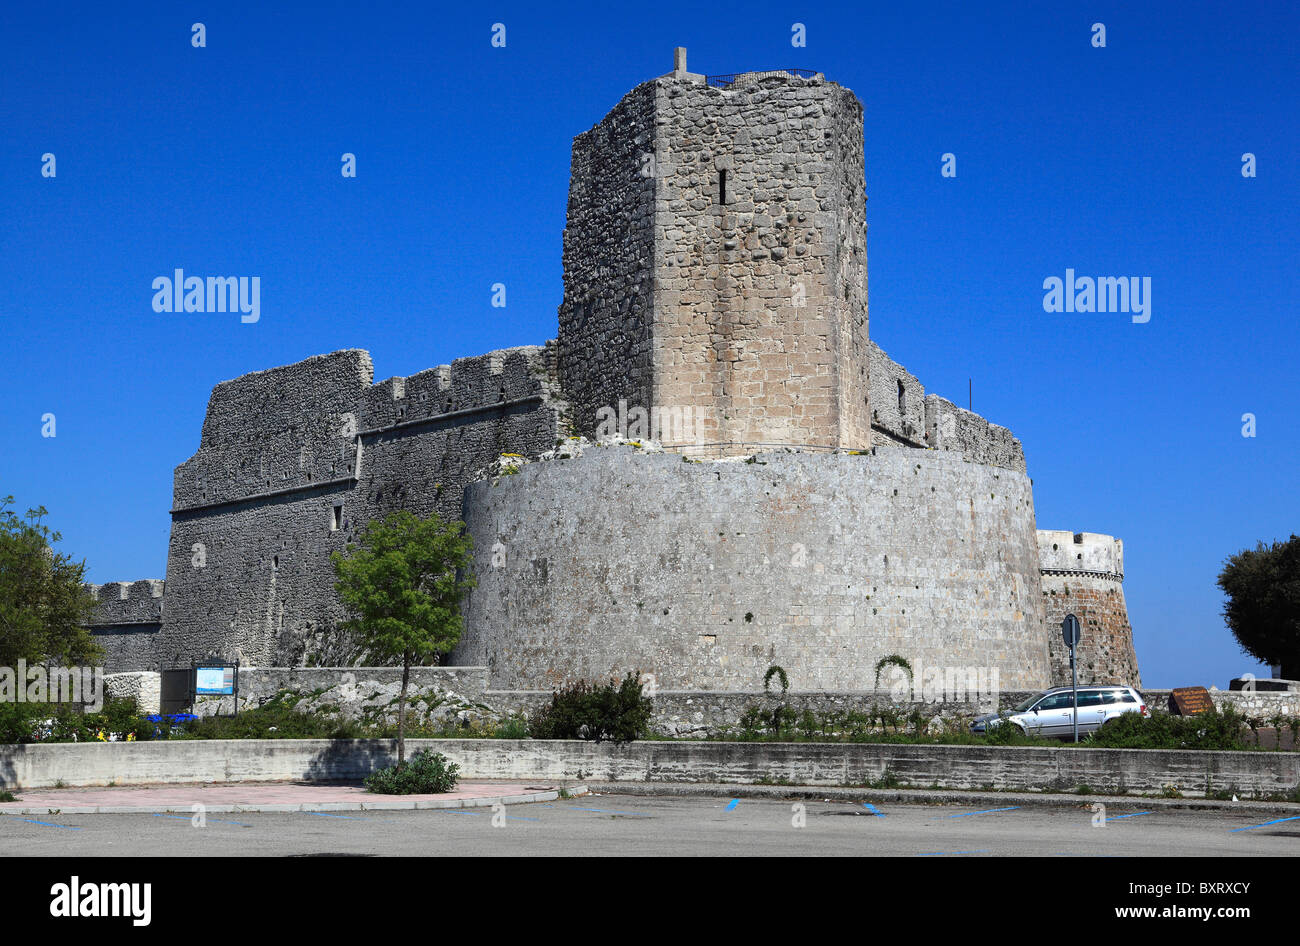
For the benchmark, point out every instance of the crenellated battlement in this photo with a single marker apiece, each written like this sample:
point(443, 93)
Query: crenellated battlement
point(1085, 552)
point(467, 384)
point(127, 602)
point(299, 427)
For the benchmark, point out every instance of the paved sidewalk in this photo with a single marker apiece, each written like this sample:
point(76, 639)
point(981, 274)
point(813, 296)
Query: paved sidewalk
point(268, 796)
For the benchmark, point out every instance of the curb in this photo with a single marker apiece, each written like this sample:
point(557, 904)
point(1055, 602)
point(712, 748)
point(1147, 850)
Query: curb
point(331, 806)
point(928, 796)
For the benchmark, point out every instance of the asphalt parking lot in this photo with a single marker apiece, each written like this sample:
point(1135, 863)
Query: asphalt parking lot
point(615, 825)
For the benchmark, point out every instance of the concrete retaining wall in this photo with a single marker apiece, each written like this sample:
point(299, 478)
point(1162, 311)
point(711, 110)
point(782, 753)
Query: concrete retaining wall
point(972, 767)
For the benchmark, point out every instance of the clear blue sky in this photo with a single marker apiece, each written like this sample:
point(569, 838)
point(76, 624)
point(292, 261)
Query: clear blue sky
point(225, 161)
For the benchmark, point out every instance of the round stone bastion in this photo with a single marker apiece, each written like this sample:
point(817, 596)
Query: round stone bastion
point(705, 573)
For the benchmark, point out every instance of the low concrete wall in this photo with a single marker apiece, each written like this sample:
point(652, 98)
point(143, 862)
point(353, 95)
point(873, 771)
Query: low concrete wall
point(1013, 768)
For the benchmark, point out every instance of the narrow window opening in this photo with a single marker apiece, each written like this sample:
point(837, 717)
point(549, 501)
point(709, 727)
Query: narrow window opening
point(902, 399)
point(722, 186)
point(336, 518)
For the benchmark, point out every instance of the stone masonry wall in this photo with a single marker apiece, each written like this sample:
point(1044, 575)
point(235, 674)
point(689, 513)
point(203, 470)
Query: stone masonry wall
point(707, 573)
point(760, 317)
point(126, 623)
point(604, 344)
point(927, 420)
point(295, 461)
point(895, 421)
point(949, 427)
point(1083, 574)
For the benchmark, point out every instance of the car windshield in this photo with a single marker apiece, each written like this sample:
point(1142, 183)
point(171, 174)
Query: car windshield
point(1023, 707)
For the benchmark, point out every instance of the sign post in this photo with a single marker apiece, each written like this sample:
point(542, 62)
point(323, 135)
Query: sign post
point(1071, 631)
point(215, 676)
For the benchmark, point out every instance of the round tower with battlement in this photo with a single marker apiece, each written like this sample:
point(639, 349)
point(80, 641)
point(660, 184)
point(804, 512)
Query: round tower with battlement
point(1083, 575)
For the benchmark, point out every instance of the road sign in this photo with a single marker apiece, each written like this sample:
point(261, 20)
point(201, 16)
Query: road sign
point(1071, 631)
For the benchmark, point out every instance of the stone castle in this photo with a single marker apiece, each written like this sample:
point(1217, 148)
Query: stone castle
point(797, 499)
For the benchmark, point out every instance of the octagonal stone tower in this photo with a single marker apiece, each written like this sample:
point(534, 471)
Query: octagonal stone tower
point(715, 262)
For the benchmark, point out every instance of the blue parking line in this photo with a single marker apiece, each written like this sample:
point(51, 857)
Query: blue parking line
point(330, 814)
point(1133, 815)
point(1265, 824)
point(986, 811)
point(943, 853)
point(873, 809)
point(732, 804)
point(47, 824)
point(603, 811)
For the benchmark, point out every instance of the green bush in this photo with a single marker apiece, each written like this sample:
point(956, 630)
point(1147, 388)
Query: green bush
point(66, 722)
point(615, 712)
point(1213, 729)
point(425, 773)
point(20, 722)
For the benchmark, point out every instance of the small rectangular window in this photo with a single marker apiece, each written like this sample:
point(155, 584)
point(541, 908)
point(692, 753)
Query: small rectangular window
point(336, 518)
point(722, 186)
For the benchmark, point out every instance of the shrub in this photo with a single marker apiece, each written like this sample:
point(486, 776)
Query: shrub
point(21, 722)
point(615, 712)
point(1213, 729)
point(425, 773)
point(67, 722)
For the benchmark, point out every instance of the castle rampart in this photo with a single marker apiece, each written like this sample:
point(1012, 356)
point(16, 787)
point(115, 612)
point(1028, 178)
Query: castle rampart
point(321, 452)
point(902, 414)
point(126, 622)
point(707, 573)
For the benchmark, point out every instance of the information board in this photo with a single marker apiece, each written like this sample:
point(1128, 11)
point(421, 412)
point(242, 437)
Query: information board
point(214, 681)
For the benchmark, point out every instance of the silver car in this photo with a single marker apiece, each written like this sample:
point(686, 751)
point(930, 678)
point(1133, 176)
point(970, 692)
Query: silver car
point(1052, 713)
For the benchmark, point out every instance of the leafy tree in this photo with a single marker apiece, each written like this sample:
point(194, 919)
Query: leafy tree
point(1263, 606)
point(44, 605)
point(402, 586)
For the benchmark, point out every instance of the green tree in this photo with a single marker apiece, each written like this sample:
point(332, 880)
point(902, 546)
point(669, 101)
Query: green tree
point(402, 586)
point(44, 605)
point(1263, 606)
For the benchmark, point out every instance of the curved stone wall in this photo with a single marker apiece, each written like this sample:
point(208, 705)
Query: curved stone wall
point(707, 573)
point(1083, 575)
